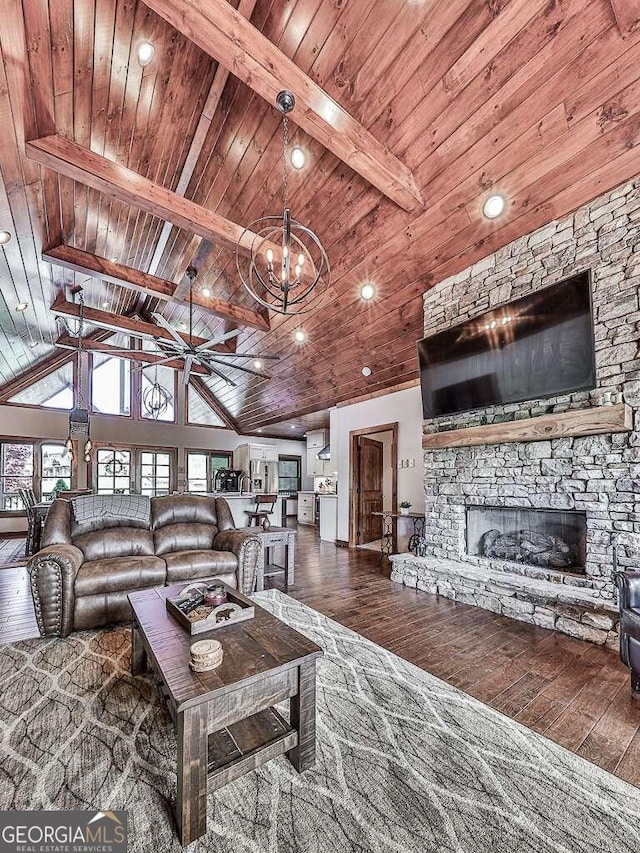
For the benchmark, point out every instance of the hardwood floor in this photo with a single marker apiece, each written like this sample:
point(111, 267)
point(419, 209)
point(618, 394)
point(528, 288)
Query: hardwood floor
point(573, 692)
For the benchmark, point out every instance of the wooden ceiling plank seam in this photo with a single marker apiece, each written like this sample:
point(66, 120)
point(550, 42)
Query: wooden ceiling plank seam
point(141, 282)
point(259, 63)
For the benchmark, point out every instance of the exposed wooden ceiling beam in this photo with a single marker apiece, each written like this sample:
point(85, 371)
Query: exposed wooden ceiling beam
point(627, 15)
point(68, 342)
point(207, 395)
point(150, 285)
point(220, 78)
point(45, 367)
point(67, 158)
point(116, 323)
point(228, 37)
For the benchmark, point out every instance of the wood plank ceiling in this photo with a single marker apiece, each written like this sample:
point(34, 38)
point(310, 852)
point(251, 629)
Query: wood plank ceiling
point(538, 99)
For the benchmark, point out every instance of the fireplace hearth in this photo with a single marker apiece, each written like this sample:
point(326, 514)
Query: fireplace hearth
point(553, 540)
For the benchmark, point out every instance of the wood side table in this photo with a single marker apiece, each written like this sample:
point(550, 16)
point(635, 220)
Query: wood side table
point(270, 538)
point(225, 721)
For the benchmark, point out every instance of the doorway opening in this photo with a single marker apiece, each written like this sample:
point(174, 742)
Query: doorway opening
point(373, 483)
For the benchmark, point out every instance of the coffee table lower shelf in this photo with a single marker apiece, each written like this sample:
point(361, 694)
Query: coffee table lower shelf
point(245, 745)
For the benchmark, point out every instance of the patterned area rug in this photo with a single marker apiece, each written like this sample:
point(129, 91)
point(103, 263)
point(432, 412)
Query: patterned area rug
point(12, 552)
point(405, 762)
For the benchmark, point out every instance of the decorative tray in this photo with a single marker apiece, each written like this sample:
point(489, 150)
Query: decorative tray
point(191, 609)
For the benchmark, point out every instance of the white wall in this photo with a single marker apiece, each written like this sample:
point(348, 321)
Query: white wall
point(26, 422)
point(405, 407)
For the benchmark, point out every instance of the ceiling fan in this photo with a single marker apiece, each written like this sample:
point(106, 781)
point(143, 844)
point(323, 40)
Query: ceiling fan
point(186, 350)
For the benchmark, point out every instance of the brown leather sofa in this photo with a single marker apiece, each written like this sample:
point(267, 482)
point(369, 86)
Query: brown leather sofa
point(98, 548)
point(628, 584)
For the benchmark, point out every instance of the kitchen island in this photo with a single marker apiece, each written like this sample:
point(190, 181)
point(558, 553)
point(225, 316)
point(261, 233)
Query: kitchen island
point(240, 504)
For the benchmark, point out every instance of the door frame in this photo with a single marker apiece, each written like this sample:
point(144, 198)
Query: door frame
point(354, 435)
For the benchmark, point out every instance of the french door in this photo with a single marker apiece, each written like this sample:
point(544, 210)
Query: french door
point(134, 470)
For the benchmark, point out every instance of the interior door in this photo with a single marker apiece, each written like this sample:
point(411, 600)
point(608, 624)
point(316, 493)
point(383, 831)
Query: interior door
point(370, 475)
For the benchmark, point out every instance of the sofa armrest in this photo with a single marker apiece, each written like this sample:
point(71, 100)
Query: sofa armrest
point(53, 573)
point(628, 584)
point(247, 549)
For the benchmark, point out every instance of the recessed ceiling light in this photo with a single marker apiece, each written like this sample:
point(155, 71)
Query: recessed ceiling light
point(494, 206)
point(292, 426)
point(366, 371)
point(22, 307)
point(367, 291)
point(257, 364)
point(106, 305)
point(298, 158)
point(5, 236)
point(206, 291)
point(259, 430)
point(300, 335)
point(33, 344)
point(146, 52)
point(183, 326)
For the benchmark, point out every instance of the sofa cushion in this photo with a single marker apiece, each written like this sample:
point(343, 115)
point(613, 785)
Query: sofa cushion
point(189, 565)
point(115, 542)
point(118, 574)
point(183, 537)
point(183, 509)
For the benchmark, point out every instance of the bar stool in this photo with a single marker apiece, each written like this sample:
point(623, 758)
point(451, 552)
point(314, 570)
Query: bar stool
point(260, 513)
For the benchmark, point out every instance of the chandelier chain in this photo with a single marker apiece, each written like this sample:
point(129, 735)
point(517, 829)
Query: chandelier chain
point(285, 146)
point(80, 333)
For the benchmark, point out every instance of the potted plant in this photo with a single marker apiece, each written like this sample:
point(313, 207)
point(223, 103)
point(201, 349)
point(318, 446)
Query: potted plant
point(405, 506)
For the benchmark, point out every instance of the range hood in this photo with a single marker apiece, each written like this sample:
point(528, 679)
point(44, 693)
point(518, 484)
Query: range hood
point(325, 453)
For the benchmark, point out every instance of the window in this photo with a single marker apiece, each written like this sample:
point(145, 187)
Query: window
point(202, 466)
point(289, 473)
point(16, 472)
point(114, 471)
point(200, 412)
point(54, 391)
point(155, 473)
point(55, 470)
point(110, 385)
point(166, 377)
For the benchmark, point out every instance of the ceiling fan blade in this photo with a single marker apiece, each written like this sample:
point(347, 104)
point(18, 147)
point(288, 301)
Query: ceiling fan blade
point(225, 379)
point(237, 367)
point(188, 361)
point(247, 355)
point(149, 364)
point(169, 328)
point(219, 339)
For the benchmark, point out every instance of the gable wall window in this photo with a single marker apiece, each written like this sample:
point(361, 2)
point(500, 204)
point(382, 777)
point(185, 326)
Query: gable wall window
point(110, 385)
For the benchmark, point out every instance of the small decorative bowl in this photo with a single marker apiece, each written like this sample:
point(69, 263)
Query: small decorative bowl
point(215, 595)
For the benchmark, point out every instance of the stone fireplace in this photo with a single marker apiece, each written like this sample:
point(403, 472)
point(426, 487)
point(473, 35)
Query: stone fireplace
point(529, 527)
point(552, 540)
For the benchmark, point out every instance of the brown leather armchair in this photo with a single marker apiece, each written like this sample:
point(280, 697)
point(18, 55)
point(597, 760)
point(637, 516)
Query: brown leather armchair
point(628, 584)
point(99, 548)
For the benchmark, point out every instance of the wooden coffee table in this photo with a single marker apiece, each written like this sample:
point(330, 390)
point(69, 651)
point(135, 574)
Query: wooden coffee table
point(225, 722)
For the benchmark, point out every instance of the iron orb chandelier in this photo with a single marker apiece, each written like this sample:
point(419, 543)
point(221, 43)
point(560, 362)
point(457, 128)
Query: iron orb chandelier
point(287, 270)
point(156, 399)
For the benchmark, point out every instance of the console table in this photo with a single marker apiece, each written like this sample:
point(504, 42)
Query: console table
point(271, 537)
point(389, 522)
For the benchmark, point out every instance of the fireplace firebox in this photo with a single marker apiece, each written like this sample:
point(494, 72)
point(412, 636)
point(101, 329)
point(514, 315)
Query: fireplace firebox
point(549, 539)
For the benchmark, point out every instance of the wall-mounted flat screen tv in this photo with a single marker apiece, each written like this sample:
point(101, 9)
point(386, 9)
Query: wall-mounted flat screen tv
point(539, 346)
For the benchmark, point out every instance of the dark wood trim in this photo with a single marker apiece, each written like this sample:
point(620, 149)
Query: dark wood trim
point(149, 285)
point(67, 342)
point(592, 421)
point(223, 33)
point(354, 435)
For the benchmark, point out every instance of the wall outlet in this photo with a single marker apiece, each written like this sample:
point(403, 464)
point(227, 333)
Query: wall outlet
point(412, 463)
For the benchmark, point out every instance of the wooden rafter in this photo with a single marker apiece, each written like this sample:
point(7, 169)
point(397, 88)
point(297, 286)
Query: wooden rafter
point(627, 15)
point(116, 323)
point(207, 395)
point(67, 158)
point(70, 343)
point(227, 36)
point(220, 78)
point(150, 285)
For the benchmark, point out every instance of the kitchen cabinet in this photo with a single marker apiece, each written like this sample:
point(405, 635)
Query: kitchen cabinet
point(246, 453)
point(306, 507)
point(316, 440)
point(328, 518)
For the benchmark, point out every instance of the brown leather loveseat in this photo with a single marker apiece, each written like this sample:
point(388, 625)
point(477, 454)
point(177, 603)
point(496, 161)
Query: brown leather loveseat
point(97, 549)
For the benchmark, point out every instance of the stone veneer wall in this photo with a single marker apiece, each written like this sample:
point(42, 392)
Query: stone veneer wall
point(598, 474)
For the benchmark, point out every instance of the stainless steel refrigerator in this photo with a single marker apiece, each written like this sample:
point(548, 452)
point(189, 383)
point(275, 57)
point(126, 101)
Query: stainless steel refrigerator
point(264, 476)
